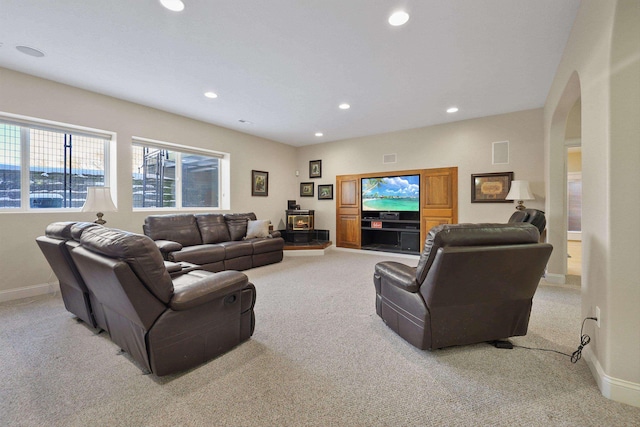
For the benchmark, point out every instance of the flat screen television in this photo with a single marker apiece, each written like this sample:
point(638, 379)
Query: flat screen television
point(391, 193)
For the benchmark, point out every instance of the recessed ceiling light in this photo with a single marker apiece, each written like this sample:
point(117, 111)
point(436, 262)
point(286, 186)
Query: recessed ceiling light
point(452, 110)
point(211, 95)
point(344, 106)
point(30, 51)
point(319, 134)
point(398, 18)
point(173, 5)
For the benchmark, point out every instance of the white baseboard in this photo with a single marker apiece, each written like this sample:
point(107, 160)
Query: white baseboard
point(612, 388)
point(29, 291)
point(558, 279)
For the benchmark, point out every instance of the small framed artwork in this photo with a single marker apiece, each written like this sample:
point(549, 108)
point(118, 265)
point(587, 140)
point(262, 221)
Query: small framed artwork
point(325, 192)
point(306, 189)
point(259, 183)
point(315, 169)
point(490, 187)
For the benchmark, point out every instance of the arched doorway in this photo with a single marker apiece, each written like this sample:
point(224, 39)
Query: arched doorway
point(556, 205)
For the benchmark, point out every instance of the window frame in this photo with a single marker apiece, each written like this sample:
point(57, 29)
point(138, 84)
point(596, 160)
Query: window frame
point(223, 174)
point(27, 123)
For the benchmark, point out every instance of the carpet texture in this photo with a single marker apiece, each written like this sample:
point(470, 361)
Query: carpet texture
point(320, 356)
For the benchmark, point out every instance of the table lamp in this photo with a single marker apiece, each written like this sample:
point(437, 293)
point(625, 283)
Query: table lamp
point(520, 191)
point(99, 201)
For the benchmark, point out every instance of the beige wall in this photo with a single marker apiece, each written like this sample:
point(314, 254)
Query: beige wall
point(466, 144)
point(601, 66)
point(21, 262)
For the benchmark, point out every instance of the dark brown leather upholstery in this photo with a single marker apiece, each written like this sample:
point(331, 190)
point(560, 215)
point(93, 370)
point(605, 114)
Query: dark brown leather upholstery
point(167, 324)
point(532, 216)
point(237, 224)
point(473, 283)
point(221, 243)
point(213, 228)
point(75, 295)
point(180, 228)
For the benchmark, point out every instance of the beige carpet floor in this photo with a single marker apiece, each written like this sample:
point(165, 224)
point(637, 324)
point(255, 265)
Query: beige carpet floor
point(320, 356)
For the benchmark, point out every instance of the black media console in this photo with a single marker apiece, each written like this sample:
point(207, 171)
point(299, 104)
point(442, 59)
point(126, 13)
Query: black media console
point(391, 232)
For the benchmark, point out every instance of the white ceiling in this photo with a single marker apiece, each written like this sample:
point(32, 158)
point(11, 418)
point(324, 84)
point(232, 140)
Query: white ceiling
point(285, 65)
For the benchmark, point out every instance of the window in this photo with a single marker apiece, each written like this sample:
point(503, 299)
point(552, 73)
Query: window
point(55, 164)
point(169, 176)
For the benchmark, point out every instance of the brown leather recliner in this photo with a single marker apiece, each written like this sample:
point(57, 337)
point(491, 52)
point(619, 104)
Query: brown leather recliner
point(56, 245)
point(532, 216)
point(473, 283)
point(166, 324)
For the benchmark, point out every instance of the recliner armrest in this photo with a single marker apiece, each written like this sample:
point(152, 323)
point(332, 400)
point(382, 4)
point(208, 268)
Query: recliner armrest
point(199, 287)
point(167, 246)
point(399, 275)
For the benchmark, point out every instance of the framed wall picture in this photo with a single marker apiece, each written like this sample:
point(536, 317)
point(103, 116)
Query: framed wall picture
point(315, 169)
point(306, 189)
point(491, 187)
point(325, 192)
point(259, 183)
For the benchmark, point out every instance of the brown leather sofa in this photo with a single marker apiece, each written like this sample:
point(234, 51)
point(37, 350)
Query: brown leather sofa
point(167, 322)
point(216, 242)
point(473, 283)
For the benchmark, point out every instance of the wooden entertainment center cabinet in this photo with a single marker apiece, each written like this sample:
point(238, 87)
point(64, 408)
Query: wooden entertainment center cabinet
point(404, 232)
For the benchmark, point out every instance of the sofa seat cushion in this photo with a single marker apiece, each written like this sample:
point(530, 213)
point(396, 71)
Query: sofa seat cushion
point(237, 249)
point(200, 287)
point(199, 254)
point(261, 246)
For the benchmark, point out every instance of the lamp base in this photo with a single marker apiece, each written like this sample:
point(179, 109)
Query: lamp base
point(521, 205)
point(100, 220)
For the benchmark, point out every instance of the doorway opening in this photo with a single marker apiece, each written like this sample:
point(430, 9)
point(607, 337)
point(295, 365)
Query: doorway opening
point(574, 214)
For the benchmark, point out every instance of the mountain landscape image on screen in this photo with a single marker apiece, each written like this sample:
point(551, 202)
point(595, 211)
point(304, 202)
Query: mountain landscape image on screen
point(395, 193)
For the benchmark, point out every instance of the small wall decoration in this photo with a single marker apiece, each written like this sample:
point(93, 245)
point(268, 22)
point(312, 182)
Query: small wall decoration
point(325, 192)
point(490, 187)
point(315, 169)
point(306, 189)
point(259, 183)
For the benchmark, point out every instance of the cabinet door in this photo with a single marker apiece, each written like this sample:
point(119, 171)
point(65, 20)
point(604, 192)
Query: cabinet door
point(348, 211)
point(439, 198)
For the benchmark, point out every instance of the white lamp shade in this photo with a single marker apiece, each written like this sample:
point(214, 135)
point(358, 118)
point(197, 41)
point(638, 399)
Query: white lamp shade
point(98, 200)
point(520, 190)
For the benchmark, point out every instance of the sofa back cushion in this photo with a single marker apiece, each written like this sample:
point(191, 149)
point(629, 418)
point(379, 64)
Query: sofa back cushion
point(213, 228)
point(181, 228)
point(472, 235)
point(59, 230)
point(140, 252)
point(237, 224)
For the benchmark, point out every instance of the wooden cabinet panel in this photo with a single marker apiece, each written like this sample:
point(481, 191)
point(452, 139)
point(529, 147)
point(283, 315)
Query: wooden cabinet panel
point(348, 231)
point(439, 198)
point(429, 222)
point(348, 193)
point(348, 212)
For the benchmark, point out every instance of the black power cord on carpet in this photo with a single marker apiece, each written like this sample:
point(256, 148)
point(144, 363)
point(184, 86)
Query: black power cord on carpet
point(575, 356)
